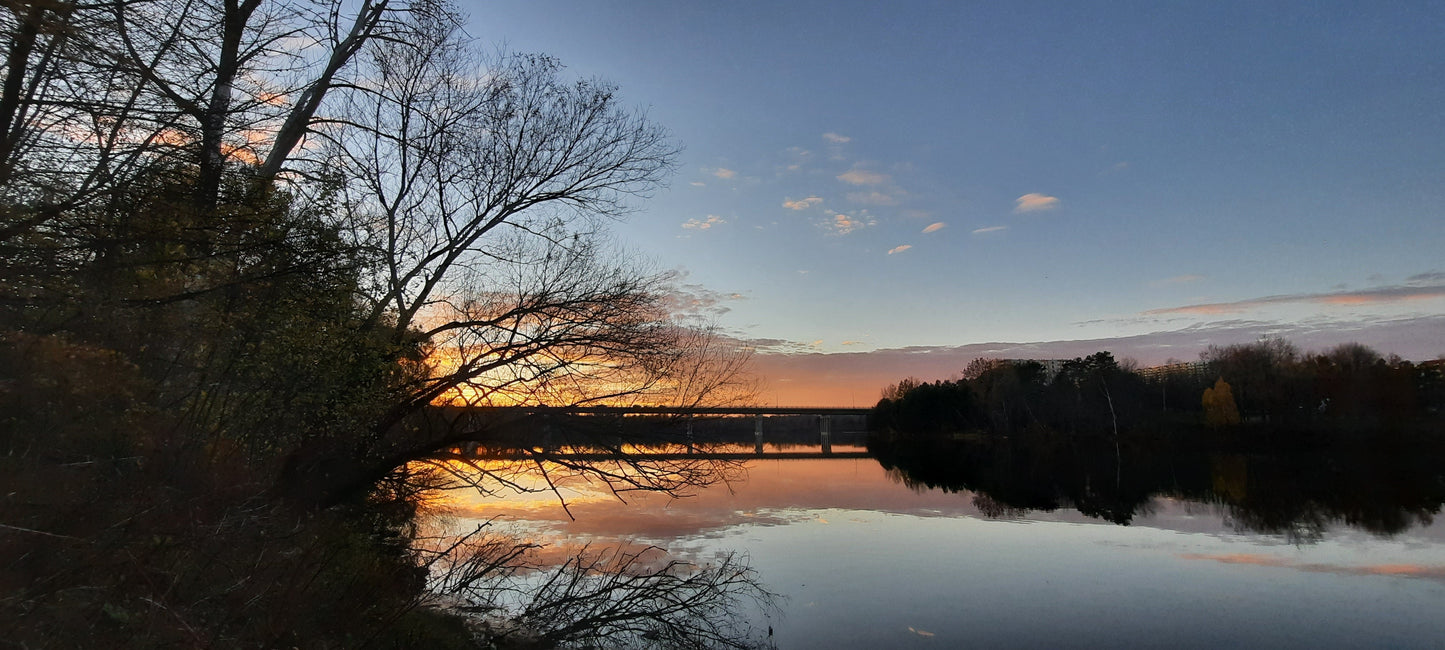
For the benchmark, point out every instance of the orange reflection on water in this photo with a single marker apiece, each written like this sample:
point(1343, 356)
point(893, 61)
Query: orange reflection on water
point(1428, 572)
point(771, 492)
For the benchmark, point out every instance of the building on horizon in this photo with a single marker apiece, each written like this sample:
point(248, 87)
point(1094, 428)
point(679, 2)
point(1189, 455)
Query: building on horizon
point(1175, 370)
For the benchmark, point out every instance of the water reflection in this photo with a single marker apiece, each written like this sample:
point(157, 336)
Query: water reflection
point(617, 597)
point(1000, 544)
point(1297, 495)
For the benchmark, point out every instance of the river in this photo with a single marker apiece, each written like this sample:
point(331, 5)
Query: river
point(867, 557)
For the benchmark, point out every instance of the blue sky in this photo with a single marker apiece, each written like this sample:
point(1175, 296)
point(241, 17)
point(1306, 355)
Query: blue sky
point(1100, 170)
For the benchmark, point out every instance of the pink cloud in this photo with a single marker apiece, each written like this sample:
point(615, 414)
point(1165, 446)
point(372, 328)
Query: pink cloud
point(802, 204)
point(704, 224)
point(1034, 202)
point(848, 378)
point(1376, 296)
point(843, 224)
point(1431, 572)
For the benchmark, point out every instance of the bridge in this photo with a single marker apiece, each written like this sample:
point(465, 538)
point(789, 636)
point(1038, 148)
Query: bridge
point(825, 415)
point(683, 410)
point(691, 454)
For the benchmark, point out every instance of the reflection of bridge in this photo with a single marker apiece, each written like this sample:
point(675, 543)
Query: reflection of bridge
point(595, 457)
point(825, 415)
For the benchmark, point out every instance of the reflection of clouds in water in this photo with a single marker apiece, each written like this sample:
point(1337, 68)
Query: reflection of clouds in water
point(868, 512)
point(1427, 572)
point(785, 492)
point(774, 493)
point(923, 633)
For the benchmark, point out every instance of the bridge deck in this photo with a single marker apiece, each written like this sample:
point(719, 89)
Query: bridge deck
point(595, 458)
point(674, 410)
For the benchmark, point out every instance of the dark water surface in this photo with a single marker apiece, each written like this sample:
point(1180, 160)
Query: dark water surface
point(871, 557)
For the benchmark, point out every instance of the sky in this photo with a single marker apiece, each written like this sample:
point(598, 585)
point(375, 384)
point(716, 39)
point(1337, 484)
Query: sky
point(866, 186)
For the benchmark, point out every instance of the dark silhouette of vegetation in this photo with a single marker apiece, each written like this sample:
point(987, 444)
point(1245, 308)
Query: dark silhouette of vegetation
point(1350, 387)
point(245, 247)
point(1295, 494)
point(1285, 442)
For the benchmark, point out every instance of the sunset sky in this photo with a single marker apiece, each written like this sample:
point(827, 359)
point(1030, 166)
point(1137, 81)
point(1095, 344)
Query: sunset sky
point(891, 181)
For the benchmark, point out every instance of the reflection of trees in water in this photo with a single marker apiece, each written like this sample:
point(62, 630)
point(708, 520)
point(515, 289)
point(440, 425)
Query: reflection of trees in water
point(610, 597)
point(1299, 496)
point(522, 594)
point(1295, 495)
point(994, 509)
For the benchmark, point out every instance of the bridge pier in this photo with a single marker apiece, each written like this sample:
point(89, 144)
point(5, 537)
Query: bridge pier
point(758, 434)
point(825, 433)
point(690, 448)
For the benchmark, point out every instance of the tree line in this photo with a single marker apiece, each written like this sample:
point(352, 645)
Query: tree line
point(1284, 442)
point(1269, 382)
point(245, 248)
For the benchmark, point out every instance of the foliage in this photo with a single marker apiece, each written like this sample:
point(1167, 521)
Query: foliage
point(244, 248)
point(1219, 408)
point(1270, 381)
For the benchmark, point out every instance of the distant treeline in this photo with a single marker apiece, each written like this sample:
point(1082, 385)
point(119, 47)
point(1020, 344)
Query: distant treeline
point(1266, 382)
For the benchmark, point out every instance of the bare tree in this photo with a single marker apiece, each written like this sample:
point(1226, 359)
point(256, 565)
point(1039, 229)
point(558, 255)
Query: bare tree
point(479, 188)
point(96, 92)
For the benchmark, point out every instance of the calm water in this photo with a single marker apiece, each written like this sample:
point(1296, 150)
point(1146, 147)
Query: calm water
point(863, 560)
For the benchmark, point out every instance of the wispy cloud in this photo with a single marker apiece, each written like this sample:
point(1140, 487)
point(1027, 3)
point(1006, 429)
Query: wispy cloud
point(723, 172)
point(836, 138)
point(1432, 277)
point(873, 197)
point(794, 159)
point(704, 224)
point(852, 343)
point(865, 372)
point(802, 204)
point(695, 301)
point(935, 227)
point(1376, 296)
point(858, 176)
point(899, 249)
point(698, 184)
point(779, 346)
point(1178, 279)
point(1034, 202)
point(989, 229)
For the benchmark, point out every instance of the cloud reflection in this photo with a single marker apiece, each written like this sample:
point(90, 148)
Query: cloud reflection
point(1423, 571)
point(775, 492)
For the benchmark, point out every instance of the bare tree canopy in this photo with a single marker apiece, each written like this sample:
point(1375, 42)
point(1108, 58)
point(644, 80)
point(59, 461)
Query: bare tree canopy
point(272, 248)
